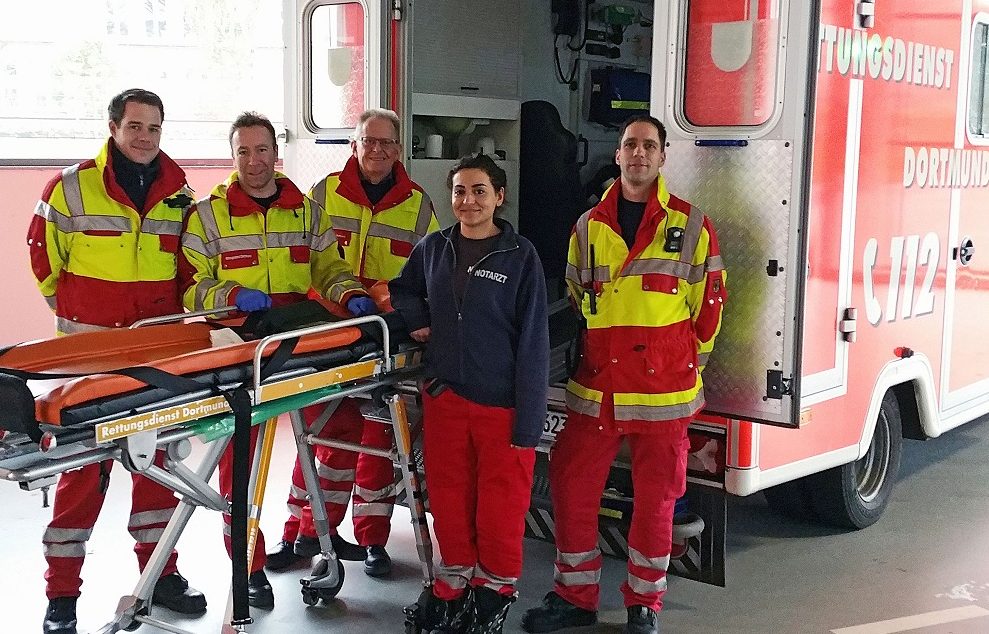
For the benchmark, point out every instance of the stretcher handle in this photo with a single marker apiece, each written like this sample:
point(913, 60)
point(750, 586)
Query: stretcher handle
point(167, 319)
point(312, 330)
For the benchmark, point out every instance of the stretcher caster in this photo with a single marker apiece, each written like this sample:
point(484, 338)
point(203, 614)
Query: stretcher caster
point(324, 582)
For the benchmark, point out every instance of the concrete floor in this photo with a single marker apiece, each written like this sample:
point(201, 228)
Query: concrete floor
point(925, 561)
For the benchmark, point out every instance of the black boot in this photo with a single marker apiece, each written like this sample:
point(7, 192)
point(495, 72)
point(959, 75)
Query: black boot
point(456, 616)
point(490, 611)
point(283, 557)
point(173, 592)
point(556, 613)
point(259, 592)
point(642, 620)
point(378, 563)
point(432, 615)
point(61, 616)
point(307, 547)
point(345, 550)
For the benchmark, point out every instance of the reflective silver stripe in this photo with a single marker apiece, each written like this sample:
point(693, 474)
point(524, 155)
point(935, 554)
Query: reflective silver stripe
point(582, 405)
point(148, 535)
point(425, 216)
point(150, 517)
point(43, 209)
point(703, 357)
point(72, 549)
point(494, 581)
point(72, 190)
point(582, 240)
point(195, 243)
point(202, 289)
point(455, 576)
point(205, 210)
point(575, 559)
point(581, 578)
point(714, 263)
point(655, 563)
point(78, 224)
point(371, 495)
point(338, 289)
point(379, 230)
point(572, 274)
point(237, 243)
point(319, 192)
point(692, 234)
point(226, 525)
point(220, 296)
point(294, 510)
point(288, 239)
point(372, 509)
point(298, 493)
point(641, 586)
point(599, 274)
point(161, 227)
point(336, 497)
point(662, 266)
point(659, 412)
point(322, 242)
point(50, 299)
point(69, 327)
point(66, 534)
point(335, 475)
point(347, 224)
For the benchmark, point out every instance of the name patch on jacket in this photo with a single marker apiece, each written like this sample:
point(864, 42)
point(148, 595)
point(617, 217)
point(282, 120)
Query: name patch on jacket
point(491, 275)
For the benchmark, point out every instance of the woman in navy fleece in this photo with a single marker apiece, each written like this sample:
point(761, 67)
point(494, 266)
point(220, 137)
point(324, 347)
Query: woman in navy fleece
point(476, 293)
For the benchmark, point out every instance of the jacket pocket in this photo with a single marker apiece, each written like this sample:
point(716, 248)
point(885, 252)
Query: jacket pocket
point(299, 254)
point(102, 233)
point(168, 243)
point(401, 248)
point(661, 283)
point(343, 236)
point(241, 259)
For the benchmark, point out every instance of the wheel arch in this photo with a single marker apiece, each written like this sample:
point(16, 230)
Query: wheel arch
point(912, 382)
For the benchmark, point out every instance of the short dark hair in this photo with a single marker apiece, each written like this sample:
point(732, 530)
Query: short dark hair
point(251, 119)
point(644, 118)
point(119, 103)
point(481, 162)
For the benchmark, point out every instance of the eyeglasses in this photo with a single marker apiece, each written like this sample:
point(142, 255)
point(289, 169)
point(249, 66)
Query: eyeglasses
point(386, 144)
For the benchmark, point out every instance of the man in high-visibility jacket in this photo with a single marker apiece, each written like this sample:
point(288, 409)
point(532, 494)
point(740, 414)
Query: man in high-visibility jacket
point(103, 246)
point(645, 273)
point(254, 243)
point(379, 214)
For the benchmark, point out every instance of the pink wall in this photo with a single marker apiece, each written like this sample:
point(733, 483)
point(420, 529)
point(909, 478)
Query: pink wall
point(24, 314)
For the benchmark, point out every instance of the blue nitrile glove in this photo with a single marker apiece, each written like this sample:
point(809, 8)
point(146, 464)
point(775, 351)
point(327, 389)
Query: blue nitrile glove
point(250, 300)
point(360, 306)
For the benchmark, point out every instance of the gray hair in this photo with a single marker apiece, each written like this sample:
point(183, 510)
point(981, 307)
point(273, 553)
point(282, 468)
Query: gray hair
point(378, 113)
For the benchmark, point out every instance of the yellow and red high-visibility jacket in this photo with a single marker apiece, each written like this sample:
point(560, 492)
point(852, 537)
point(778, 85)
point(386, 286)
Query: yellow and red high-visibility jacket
point(99, 262)
point(231, 243)
point(375, 239)
point(652, 312)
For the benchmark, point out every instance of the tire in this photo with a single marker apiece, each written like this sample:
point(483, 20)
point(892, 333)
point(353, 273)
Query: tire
point(856, 494)
point(792, 499)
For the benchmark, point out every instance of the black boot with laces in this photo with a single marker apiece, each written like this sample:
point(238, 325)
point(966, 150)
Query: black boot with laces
point(490, 611)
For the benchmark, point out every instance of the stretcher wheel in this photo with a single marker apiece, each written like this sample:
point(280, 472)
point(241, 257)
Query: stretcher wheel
point(312, 595)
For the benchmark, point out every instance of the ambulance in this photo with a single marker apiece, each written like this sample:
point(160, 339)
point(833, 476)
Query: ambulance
point(840, 148)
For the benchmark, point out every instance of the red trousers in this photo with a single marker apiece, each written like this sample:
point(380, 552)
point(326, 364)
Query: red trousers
point(78, 501)
point(478, 487)
point(338, 469)
point(579, 465)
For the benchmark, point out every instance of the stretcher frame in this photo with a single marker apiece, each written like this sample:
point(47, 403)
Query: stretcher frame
point(379, 374)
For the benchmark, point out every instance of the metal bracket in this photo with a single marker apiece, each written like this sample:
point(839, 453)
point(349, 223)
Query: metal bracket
point(138, 450)
point(778, 386)
point(865, 13)
point(847, 326)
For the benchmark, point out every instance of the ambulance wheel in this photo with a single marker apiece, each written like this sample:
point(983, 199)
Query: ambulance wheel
point(856, 494)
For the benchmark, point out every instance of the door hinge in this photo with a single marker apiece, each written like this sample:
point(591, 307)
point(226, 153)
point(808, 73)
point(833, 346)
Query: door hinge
point(777, 385)
point(865, 11)
point(396, 10)
point(848, 324)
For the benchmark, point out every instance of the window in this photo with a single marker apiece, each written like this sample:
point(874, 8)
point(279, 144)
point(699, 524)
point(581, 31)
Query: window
point(336, 65)
point(209, 60)
point(732, 62)
point(978, 98)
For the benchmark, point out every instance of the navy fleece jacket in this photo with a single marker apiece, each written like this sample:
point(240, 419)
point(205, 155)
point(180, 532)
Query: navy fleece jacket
point(494, 348)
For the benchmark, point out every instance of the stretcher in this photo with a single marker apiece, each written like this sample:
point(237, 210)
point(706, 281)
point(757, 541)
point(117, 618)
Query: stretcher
point(125, 394)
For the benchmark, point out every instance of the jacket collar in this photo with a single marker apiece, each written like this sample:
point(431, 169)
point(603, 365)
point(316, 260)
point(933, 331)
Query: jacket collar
point(241, 204)
point(170, 179)
point(607, 210)
point(507, 239)
point(350, 187)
